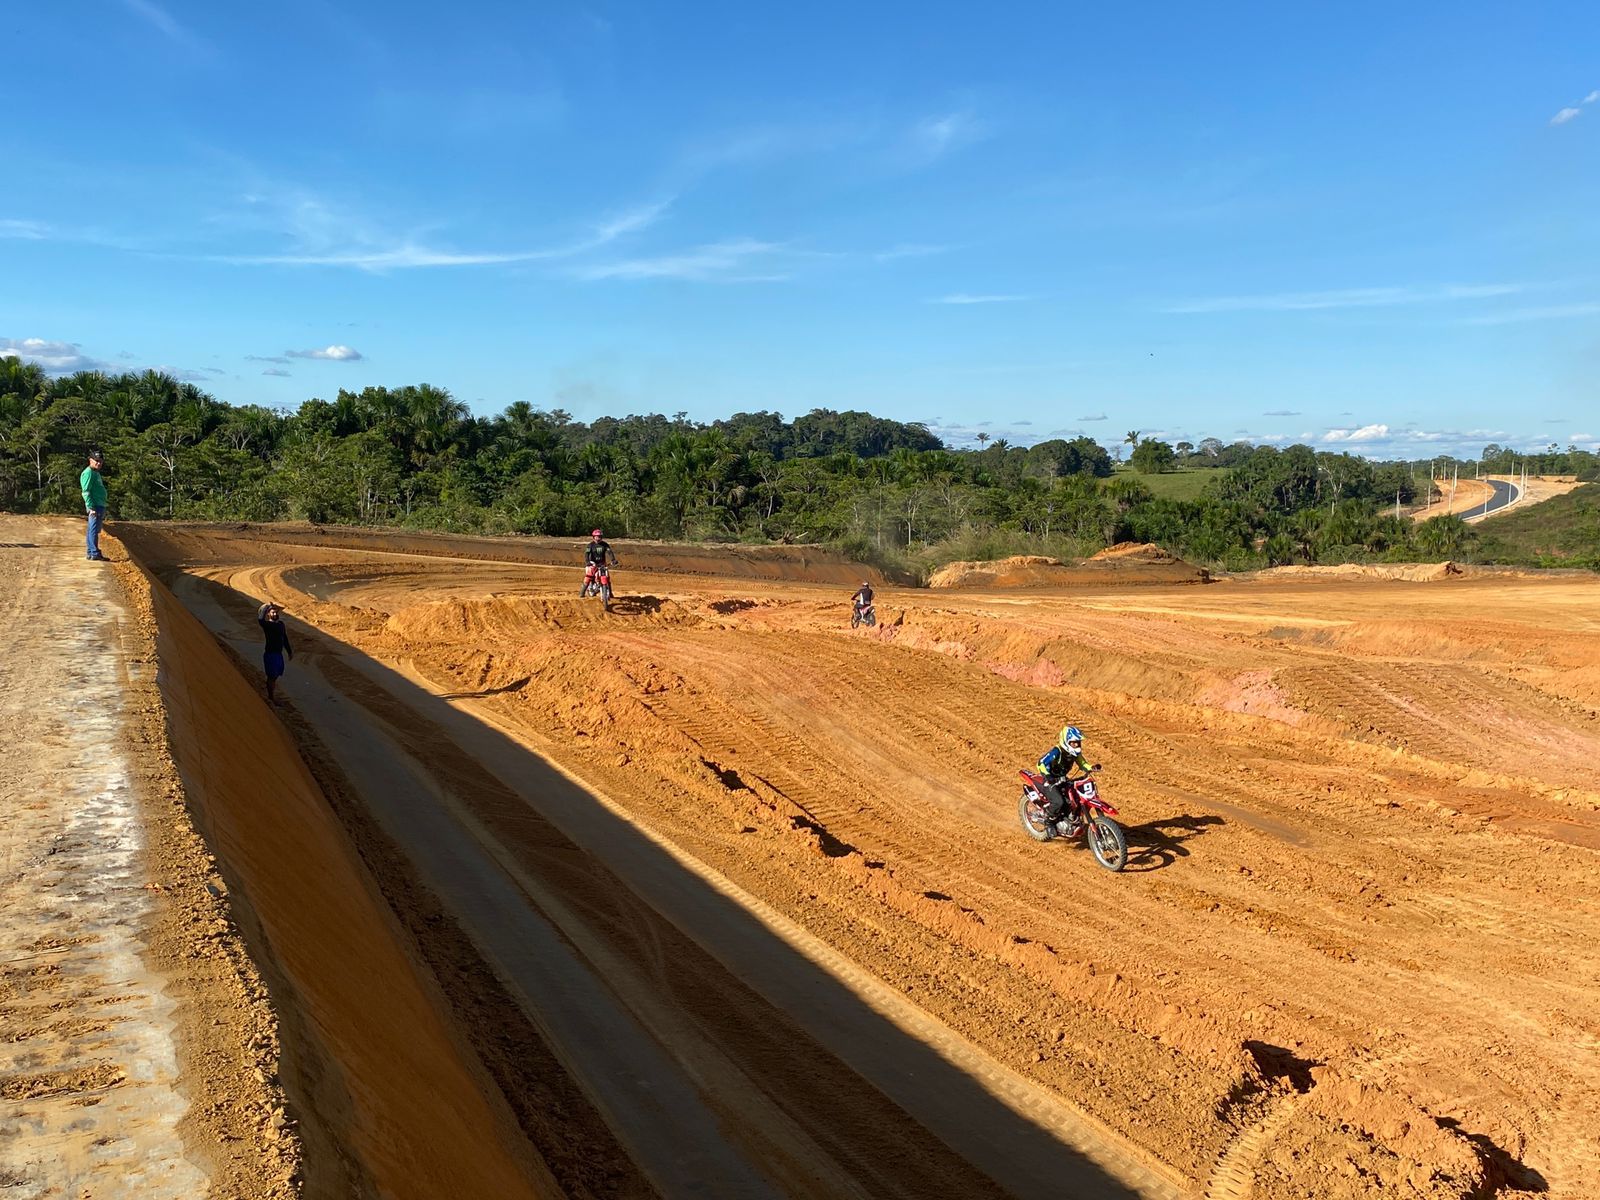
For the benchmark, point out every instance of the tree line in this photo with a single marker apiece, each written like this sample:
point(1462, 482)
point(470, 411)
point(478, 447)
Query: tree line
point(879, 489)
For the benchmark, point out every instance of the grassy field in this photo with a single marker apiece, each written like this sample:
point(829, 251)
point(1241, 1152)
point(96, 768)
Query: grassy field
point(1563, 531)
point(1176, 485)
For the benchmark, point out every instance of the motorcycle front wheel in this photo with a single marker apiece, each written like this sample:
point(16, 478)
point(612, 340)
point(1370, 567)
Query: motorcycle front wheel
point(1034, 821)
point(1106, 841)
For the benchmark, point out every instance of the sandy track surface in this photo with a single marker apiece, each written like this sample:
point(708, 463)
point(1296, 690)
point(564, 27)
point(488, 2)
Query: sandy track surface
point(1354, 953)
point(135, 1044)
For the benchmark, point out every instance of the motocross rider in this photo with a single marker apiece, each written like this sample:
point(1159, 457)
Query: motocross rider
point(594, 558)
point(863, 597)
point(1057, 767)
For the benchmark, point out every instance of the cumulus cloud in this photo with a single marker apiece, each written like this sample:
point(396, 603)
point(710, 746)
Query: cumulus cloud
point(328, 354)
point(55, 358)
point(1367, 433)
point(976, 298)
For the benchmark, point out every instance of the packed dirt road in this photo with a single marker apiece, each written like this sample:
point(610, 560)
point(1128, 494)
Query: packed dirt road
point(712, 895)
point(135, 1042)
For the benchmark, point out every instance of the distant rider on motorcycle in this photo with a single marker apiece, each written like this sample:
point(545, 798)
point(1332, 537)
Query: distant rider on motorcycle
point(594, 558)
point(1057, 767)
point(863, 597)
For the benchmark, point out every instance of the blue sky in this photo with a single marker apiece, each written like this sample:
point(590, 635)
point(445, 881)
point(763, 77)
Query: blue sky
point(1370, 226)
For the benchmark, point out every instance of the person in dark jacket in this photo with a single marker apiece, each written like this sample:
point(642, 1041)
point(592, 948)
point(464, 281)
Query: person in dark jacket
point(270, 618)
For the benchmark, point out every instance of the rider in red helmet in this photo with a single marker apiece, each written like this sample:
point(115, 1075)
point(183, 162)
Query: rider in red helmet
point(594, 558)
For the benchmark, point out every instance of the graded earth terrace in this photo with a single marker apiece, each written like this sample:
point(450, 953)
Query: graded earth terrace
point(712, 895)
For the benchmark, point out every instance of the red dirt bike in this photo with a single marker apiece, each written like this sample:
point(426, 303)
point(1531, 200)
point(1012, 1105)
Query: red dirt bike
point(864, 614)
point(597, 582)
point(1084, 813)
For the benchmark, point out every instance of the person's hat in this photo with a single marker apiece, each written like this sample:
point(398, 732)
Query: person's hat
point(97, 456)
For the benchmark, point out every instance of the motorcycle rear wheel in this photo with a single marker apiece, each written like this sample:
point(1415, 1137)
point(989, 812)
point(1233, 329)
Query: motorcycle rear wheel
point(1038, 828)
point(1106, 841)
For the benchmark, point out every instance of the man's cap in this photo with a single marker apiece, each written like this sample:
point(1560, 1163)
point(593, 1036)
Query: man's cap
point(97, 456)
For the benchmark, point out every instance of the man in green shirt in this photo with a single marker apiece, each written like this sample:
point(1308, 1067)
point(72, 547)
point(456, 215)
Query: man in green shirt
point(94, 500)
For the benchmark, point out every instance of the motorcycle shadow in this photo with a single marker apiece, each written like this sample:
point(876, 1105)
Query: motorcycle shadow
point(636, 606)
point(1160, 843)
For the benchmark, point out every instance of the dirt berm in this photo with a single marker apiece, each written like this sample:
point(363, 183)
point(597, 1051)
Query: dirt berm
point(1122, 564)
point(805, 563)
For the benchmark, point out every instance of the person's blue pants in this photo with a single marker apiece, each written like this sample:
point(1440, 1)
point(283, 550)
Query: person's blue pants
point(97, 518)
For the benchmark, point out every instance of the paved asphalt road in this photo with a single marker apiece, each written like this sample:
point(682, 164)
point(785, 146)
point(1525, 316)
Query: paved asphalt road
point(1504, 494)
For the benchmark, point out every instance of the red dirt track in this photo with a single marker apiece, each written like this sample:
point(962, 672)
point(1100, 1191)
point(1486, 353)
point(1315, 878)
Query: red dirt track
point(712, 895)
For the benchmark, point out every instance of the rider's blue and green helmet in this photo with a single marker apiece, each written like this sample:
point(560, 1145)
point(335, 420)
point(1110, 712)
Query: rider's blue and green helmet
point(1071, 740)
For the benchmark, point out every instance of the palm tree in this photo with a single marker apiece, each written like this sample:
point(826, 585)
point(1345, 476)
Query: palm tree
point(1132, 438)
point(983, 439)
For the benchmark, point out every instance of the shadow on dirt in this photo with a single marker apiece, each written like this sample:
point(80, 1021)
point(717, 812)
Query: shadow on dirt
point(729, 607)
point(799, 1031)
point(516, 685)
point(1158, 844)
point(1502, 1171)
point(635, 606)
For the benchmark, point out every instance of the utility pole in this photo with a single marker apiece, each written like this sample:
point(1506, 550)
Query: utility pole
point(1454, 479)
point(1397, 504)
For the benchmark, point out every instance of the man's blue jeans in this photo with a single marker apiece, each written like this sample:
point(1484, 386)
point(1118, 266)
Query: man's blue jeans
point(97, 518)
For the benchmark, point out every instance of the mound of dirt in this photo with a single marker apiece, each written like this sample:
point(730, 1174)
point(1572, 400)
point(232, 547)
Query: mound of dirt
point(517, 617)
point(1142, 552)
point(1020, 570)
point(1126, 562)
point(1409, 572)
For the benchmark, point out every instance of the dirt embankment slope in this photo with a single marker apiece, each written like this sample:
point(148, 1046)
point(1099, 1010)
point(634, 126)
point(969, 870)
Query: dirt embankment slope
point(387, 1100)
point(1343, 960)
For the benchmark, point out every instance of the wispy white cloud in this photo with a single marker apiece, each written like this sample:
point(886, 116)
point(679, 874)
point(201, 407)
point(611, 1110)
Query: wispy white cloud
point(908, 250)
point(278, 371)
point(1565, 115)
point(1281, 412)
point(328, 354)
point(1552, 312)
point(474, 112)
point(741, 260)
point(163, 21)
point(326, 236)
point(27, 231)
point(1592, 97)
point(1098, 417)
point(1373, 297)
point(55, 358)
point(266, 358)
point(934, 137)
point(976, 298)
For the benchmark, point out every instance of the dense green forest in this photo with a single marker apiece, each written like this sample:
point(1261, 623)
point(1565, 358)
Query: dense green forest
point(880, 489)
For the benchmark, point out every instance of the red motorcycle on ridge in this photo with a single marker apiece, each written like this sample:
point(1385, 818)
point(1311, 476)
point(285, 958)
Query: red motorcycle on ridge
point(1084, 813)
point(597, 582)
